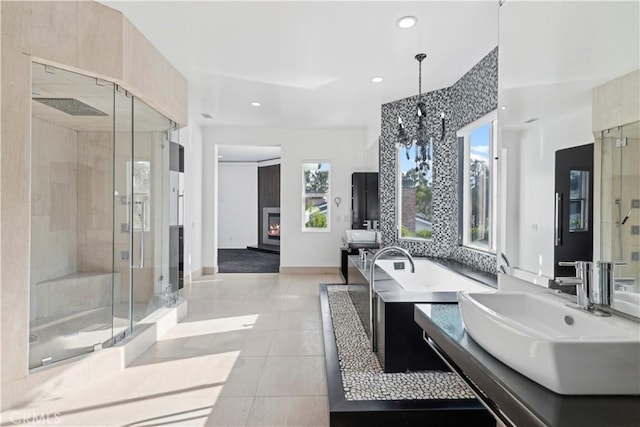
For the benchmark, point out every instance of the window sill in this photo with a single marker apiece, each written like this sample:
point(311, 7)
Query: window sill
point(414, 239)
point(491, 252)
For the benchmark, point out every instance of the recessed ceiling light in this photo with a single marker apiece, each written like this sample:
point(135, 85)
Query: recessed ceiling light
point(220, 156)
point(255, 104)
point(504, 107)
point(406, 22)
point(377, 79)
point(206, 115)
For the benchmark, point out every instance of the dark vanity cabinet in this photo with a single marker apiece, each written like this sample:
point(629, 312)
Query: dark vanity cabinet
point(176, 217)
point(364, 199)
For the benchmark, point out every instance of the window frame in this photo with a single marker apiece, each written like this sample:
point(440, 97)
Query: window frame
point(464, 204)
point(304, 228)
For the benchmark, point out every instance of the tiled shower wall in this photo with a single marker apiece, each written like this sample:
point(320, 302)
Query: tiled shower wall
point(471, 97)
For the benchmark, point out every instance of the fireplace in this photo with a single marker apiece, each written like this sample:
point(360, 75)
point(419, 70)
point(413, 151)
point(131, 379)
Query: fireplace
point(270, 226)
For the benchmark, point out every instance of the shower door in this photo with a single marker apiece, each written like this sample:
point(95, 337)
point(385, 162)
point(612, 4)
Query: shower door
point(123, 214)
point(142, 215)
point(620, 209)
point(149, 171)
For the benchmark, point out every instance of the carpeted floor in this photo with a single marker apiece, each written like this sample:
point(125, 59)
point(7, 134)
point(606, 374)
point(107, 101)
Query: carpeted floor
point(247, 261)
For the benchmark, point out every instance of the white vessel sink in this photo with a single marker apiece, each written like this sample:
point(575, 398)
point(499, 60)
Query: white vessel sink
point(561, 348)
point(361, 236)
point(627, 302)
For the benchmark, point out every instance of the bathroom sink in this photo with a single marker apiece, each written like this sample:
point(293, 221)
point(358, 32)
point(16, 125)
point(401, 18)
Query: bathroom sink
point(361, 235)
point(564, 349)
point(627, 302)
point(361, 239)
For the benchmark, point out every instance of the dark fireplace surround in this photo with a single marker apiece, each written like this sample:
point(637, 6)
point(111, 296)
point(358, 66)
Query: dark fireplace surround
point(269, 207)
point(270, 233)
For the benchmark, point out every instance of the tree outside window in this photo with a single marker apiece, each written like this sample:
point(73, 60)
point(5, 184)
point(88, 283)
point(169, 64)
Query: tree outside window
point(415, 196)
point(316, 196)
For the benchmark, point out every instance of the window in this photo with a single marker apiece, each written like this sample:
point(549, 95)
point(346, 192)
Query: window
point(578, 200)
point(477, 216)
point(415, 194)
point(141, 194)
point(316, 183)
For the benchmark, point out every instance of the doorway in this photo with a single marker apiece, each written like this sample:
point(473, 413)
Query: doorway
point(248, 238)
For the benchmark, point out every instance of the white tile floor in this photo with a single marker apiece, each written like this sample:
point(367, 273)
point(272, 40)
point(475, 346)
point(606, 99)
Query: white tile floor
point(250, 352)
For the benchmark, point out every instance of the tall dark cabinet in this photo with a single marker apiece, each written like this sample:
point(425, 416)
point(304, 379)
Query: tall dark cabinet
point(176, 217)
point(364, 199)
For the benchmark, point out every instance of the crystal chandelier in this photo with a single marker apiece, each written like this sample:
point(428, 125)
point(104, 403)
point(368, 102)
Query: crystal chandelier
point(421, 139)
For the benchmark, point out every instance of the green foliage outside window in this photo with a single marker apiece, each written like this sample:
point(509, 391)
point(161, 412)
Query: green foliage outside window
point(316, 219)
point(424, 234)
point(424, 190)
point(316, 181)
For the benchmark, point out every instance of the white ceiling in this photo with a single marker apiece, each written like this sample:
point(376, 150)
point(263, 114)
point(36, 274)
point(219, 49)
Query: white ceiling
point(552, 54)
point(310, 63)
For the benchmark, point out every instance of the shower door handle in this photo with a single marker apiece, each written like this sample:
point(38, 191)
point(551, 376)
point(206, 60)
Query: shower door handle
point(142, 217)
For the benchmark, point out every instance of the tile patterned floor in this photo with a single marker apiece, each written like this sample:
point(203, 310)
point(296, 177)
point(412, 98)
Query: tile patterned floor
point(362, 375)
point(249, 353)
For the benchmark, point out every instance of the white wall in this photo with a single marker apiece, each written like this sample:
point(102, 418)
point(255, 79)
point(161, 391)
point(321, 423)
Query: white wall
point(237, 205)
point(346, 149)
point(529, 239)
point(191, 138)
point(373, 142)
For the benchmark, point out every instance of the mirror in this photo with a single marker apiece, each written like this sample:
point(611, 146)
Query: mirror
point(316, 186)
point(551, 57)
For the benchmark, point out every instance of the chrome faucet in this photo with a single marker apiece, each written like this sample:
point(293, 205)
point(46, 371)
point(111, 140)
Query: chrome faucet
point(372, 294)
point(585, 287)
point(583, 282)
point(606, 282)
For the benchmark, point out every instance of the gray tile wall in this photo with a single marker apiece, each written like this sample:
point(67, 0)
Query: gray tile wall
point(470, 98)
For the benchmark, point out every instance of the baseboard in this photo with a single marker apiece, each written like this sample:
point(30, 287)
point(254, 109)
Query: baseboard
point(194, 274)
point(208, 271)
point(309, 270)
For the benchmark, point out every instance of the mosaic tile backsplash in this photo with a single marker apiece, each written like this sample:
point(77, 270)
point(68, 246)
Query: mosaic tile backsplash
point(471, 97)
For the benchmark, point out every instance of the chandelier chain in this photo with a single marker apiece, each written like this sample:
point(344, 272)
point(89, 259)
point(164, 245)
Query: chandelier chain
point(419, 77)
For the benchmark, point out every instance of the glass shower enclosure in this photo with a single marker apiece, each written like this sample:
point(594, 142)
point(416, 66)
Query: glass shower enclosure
point(620, 208)
point(99, 214)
